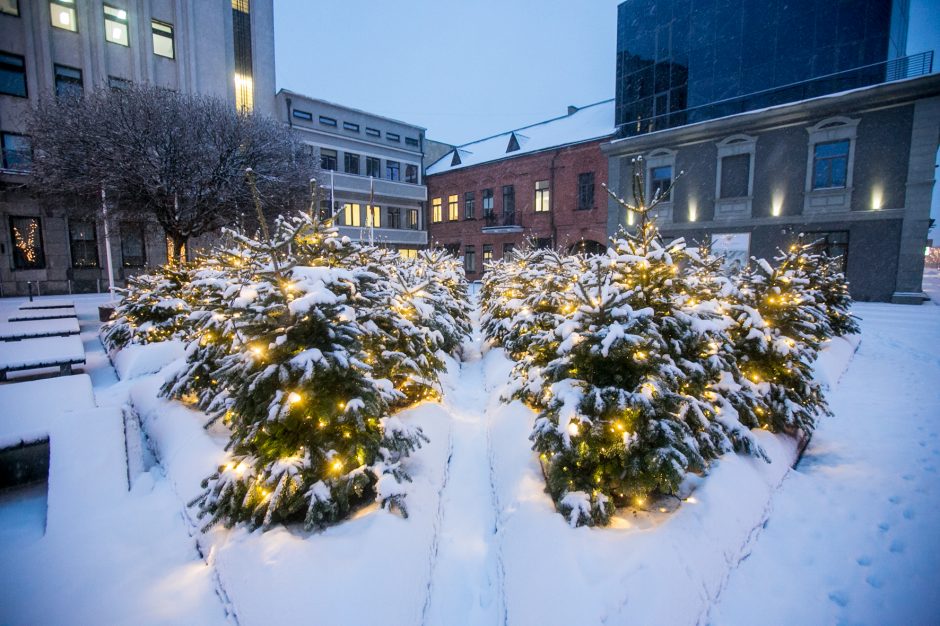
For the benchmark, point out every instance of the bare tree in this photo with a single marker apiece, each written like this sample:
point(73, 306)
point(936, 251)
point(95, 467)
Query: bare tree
point(178, 158)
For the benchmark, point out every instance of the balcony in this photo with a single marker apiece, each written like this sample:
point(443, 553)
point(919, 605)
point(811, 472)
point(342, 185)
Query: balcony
point(399, 236)
point(505, 223)
point(390, 189)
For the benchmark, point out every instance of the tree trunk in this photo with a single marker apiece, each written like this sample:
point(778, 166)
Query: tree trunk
point(178, 242)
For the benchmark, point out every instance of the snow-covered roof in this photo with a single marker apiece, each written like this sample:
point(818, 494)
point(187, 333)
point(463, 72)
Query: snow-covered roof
point(593, 121)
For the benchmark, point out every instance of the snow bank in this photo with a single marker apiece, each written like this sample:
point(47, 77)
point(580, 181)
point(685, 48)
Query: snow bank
point(27, 409)
point(136, 360)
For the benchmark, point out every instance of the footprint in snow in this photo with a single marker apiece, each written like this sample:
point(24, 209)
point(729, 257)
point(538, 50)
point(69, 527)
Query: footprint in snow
point(894, 499)
point(897, 546)
point(908, 513)
point(908, 477)
point(884, 527)
point(864, 561)
point(874, 581)
point(839, 597)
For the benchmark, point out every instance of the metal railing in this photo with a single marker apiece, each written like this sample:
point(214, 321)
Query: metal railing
point(506, 219)
point(863, 76)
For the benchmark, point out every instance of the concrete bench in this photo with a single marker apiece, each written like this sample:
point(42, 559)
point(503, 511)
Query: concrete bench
point(29, 354)
point(47, 304)
point(56, 327)
point(42, 314)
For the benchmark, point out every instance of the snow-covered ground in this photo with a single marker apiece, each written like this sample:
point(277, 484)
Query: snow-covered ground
point(851, 536)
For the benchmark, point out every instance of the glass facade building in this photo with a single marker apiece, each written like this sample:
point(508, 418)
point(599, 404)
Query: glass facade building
point(684, 61)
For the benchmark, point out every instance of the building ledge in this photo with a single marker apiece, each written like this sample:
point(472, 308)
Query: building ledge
point(909, 297)
point(502, 229)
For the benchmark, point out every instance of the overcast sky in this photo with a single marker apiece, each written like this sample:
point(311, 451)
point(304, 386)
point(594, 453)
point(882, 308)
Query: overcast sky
point(465, 69)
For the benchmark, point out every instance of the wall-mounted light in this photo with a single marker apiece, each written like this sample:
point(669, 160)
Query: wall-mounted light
point(693, 209)
point(776, 203)
point(877, 198)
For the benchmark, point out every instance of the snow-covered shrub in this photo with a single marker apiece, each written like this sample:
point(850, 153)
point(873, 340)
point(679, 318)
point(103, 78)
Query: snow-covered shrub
point(153, 307)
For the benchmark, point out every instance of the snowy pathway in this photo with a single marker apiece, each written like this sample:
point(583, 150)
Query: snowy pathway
point(853, 536)
point(465, 585)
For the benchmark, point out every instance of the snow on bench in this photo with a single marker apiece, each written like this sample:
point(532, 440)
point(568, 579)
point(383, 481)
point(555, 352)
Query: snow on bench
point(47, 304)
point(42, 314)
point(56, 327)
point(28, 354)
point(29, 406)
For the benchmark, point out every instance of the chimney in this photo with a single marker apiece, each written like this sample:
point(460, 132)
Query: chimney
point(572, 109)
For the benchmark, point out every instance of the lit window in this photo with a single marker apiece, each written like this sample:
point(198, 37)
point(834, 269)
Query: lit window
point(487, 255)
point(26, 235)
point(586, 191)
point(470, 259)
point(241, 47)
point(244, 92)
point(394, 217)
point(374, 167)
point(62, 13)
point(437, 215)
point(328, 159)
point(133, 248)
point(68, 82)
point(393, 170)
point(374, 216)
point(541, 196)
point(453, 210)
point(660, 183)
point(163, 44)
point(115, 25)
point(84, 244)
point(351, 215)
point(413, 219)
point(351, 163)
point(830, 164)
point(12, 75)
point(411, 173)
point(17, 152)
point(408, 253)
point(10, 7)
point(469, 209)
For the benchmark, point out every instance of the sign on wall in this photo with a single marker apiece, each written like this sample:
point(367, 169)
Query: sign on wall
point(734, 247)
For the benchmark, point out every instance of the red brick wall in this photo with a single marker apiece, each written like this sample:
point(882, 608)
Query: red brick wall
point(565, 223)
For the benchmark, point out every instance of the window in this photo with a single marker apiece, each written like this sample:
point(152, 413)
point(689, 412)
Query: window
point(413, 219)
point(437, 215)
point(394, 217)
point(470, 259)
point(509, 200)
point(543, 243)
point(830, 164)
point(351, 214)
point(373, 216)
point(411, 141)
point(62, 13)
point(306, 116)
point(350, 126)
point(393, 170)
point(17, 152)
point(84, 244)
point(487, 202)
point(411, 173)
point(12, 75)
point(133, 249)
point(116, 82)
point(393, 137)
point(660, 183)
point(453, 210)
point(507, 249)
point(541, 196)
point(831, 243)
point(68, 82)
point(326, 212)
point(115, 25)
point(10, 7)
point(468, 202)
point(163, 43)
point(586, 191)
point(408, 253)
point(241, 48)
point(26, 235)
point(327, 121)
point(328, 159)
point(373, 132)
point(735, 176)
point(374, 167)
point(351, 163)
point(487, 254)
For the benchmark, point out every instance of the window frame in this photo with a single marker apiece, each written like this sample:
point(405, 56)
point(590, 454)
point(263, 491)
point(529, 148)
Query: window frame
point(15, 12)
point(69, 6)
point(469, 205)
point(331, 154)
point(327, 121)
point(437, 210)
point(413, 219)
point(487, 197)
point(351, 126)
point(826, 200)
point(412, 141)
point(67, 80)
point(171, 35)
point(393, 170)
point(352, 212)
point(829, 161)
point(300, 114)
point(453, 207)
point(509, 200)
point(85, 245)
point(542, 202)
point(373, 167)
point(394, 217)
point(487, 255)
point(4, 161)
point(348, 157)
point(393, 137)
point(373, 216)
point(813, 237)
point(470, 259)
point(123, 22)
point(139, 229)
point(40, 263)
point(586, 191)
point(373, 132)
point(411, 173)
point(6, 66)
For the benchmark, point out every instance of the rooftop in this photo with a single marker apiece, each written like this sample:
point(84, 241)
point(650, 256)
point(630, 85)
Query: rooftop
point(294, 94)
point(594, 121)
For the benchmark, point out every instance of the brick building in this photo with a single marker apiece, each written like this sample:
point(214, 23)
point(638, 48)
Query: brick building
point(541, 182)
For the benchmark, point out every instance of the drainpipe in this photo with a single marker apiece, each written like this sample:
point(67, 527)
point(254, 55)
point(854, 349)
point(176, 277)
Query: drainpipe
point(552, 198)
